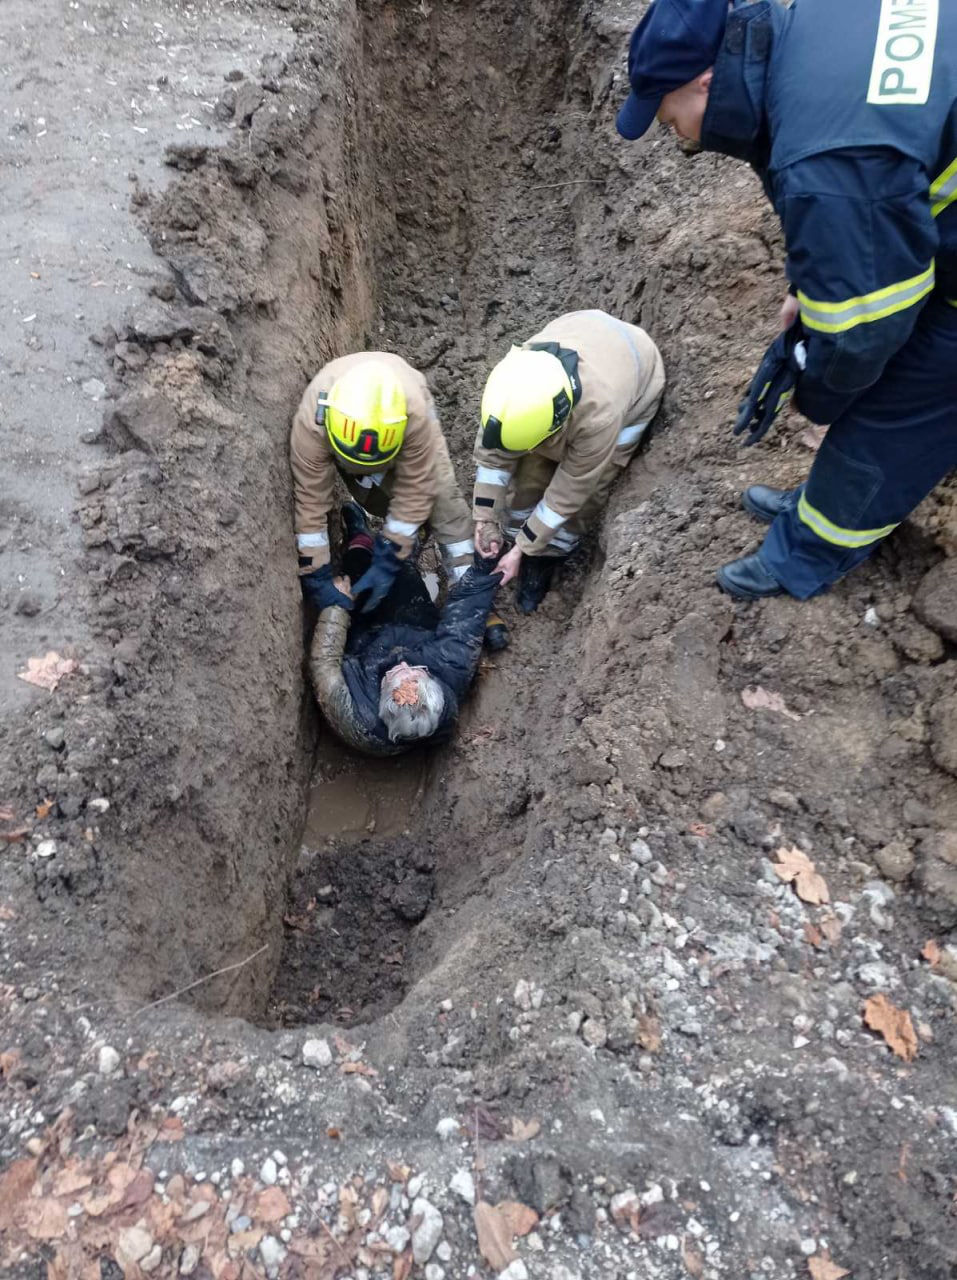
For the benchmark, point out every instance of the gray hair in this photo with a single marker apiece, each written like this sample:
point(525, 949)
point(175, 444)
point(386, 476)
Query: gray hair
point(412, 720)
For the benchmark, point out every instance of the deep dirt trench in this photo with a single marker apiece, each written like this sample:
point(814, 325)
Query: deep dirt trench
point(569, 913)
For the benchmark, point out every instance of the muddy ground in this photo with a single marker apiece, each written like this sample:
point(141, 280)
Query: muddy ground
point(553, 962)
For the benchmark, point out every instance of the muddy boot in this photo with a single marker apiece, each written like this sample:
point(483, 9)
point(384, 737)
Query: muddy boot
point(354, 520)
point(534, 579)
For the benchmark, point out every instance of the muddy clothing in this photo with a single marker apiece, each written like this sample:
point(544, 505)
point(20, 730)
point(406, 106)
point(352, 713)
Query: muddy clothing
point(352, 652)
point(418, 486)
point(546, 497)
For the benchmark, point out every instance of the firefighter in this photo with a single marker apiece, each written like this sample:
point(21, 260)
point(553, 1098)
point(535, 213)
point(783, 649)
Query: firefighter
point(370, 418)
point(847, 113)
point(562, 415)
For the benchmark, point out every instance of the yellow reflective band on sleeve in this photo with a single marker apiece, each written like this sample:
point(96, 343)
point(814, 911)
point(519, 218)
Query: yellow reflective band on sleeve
point(837, 317)
point(943, 190)
point(833, 533)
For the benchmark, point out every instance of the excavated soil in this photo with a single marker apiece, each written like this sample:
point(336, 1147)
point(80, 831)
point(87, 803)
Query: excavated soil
point(570, 913)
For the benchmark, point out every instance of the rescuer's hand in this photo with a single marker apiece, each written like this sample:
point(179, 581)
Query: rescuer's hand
point(790, 310)
point(509, 565)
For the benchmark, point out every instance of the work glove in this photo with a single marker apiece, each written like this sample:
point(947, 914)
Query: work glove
point(773, 384)
point(377, 580)
point(320, 590)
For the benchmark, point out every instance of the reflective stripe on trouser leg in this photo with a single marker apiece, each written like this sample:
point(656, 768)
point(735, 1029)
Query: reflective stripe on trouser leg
point(877, 462)
point(516, 518)
point(563, 543)
point(458, 557)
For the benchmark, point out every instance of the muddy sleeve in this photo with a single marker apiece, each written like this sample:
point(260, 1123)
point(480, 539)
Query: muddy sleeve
point(493, 475)
point(325, 669)
point(416, 479)
point(576, 478)
point(457, 646)
point(314, 483)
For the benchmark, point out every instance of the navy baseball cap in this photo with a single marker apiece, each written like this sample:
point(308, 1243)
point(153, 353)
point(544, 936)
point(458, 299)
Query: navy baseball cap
point(674, 42)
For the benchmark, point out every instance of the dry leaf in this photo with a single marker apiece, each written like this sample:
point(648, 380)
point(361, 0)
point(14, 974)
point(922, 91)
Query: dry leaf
point(312, 1248)
point(357, 1069)
point(756, 698)
point(519, 1218)
point(812, 437)
point(398, 1172)
point(139, 1190)
point(271, 1205)
point(70, 1180)
point(6, 813)
point(343, 1046)
point(9, 1061)
point(42, 1219)
point(15, 1183)
point(831, 928)
point(20, 833)
point(48, 671)
point(649, 1032)
point(795, 867)
point(812, 934)
point(43, 809)
point(402, 1266)
point(522, 1131)
point(171, 1130)
point(380, 1201)
point(240, 1241)
point(7, 912)
point(822, 1268)
point(494, 1239)
point(893, 1024)
point(693, 1260)
point(931, 953)
point(334, 1133)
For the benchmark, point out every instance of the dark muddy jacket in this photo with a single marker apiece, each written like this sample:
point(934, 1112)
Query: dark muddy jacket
point(347, 664)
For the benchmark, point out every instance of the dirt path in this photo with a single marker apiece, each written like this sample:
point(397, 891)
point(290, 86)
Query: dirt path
point(554, 962)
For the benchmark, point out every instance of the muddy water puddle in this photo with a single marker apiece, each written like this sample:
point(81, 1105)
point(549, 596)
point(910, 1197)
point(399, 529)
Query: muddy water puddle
point(353, 795)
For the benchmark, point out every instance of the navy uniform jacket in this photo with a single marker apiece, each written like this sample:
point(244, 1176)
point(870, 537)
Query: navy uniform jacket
point(848, 111)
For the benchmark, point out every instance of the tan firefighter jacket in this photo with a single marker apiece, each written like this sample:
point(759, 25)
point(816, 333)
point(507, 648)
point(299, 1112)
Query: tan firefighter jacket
point(417, 477)
point(622, 378)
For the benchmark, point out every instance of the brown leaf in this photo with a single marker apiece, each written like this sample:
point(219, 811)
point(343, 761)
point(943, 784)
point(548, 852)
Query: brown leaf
point(795, 867)
point(893, 1024)
point(757, 698)
point(312, 1248)
point(6, 813)
point(402, 1266)
point(831, 928)
point(11, 837)
point(357, 1069)
point(398, 1172)
point(700, 829)
point(42, 1219)
point(171, 1130)
point(334, 1133)
point(519, 1218)
point(380, 1201)
point(240, 1241)
point(524, 1131)
point(71, 1179)
point(343, 1046)
point(494, 1238)
point(812, 934)
point(48, 671)
point(15, 1183)
point(271, 1205)
point(822, 1268)
point(43, 809)
point(931, 953)
point(693, 1260)
point(9, 1061)
point(649, 1032)
point(139, 1190)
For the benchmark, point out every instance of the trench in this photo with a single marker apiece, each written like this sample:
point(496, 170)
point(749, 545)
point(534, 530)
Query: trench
point(477, 132)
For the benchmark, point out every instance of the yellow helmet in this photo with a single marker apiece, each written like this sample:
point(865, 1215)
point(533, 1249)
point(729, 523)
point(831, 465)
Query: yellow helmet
point(365, 414)
point(528, 397)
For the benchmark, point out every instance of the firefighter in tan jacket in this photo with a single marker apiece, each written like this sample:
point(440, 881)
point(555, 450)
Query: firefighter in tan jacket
point(562, 415)
point(370, 418)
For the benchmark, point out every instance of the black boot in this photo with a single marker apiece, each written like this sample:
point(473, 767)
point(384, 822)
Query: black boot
point(763, 503)
point(353, 520)
point(534, 579)
point(496, 632)
point(747, 579)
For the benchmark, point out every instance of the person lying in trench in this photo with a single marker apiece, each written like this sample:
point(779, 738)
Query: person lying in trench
point(562, 415)
point(395, 677)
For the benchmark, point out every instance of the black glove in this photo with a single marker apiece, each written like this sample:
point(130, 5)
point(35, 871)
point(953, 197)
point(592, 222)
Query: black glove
point(319, 588)
point(773, 384)
point(377, 580)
